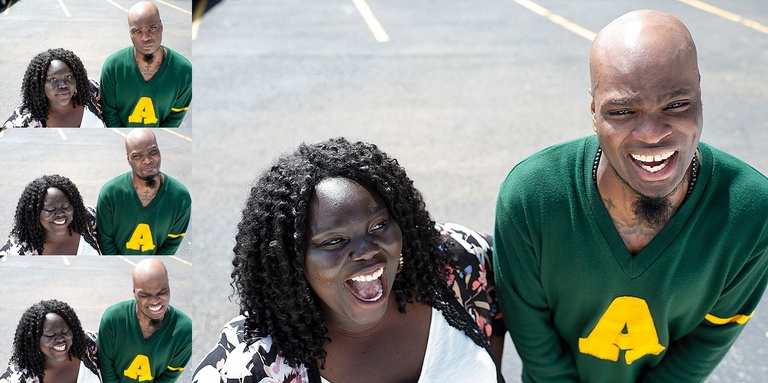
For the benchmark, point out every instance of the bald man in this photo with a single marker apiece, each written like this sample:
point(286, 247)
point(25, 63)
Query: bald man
point(146, 84)
point(145, 339)
point(638, 253)
point(144, 211)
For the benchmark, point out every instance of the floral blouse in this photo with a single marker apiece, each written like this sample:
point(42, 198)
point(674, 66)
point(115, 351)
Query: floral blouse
point(235, 361)
point(14, 374)
point(15, 246)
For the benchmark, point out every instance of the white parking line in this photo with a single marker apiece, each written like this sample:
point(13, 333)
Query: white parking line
point(373, 23)
point(61, 133)
point(727, 15)
point(66, 261)
point(557, 19)
point(117, 5)
point(64, 8)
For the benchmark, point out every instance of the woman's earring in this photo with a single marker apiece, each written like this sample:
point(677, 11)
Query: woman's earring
point(400, 265)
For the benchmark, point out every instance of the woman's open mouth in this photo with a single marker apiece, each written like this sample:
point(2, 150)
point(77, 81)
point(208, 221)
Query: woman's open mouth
point(367, 287)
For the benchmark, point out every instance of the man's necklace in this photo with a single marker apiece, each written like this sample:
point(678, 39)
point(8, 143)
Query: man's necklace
point(691, 184)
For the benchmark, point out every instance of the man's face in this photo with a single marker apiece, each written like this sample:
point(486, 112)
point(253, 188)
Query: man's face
point(647, 114)
point(146, 33)
point(152, 297)
point(144, 158)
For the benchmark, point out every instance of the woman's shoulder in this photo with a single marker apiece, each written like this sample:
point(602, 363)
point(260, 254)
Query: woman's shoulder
point(470, 275)
point(14, 246)
point(22, 118)
point(14, 374)
point(235, 359)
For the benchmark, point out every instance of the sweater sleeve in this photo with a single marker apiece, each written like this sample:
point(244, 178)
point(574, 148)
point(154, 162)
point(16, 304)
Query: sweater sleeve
point(104, 222)
point(178, 230)
point(694, 356)
point(521, 296)
point(184, 96)
point(109, 97)
point(178, 361)
point(180, 107)
point(106, 350)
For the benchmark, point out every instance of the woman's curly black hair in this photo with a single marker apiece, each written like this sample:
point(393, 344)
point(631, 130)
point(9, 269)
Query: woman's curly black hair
point(268, 270)
point(27, 227)
point(26, 343)
point(33, 87)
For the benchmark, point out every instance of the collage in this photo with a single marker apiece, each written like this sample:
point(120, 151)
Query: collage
point(383, 191)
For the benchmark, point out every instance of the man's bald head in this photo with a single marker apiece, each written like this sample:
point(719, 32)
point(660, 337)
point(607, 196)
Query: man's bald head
point(143, 9)
point(151, 290)
point(149, 271)
point(139, 138)
point(640, 41)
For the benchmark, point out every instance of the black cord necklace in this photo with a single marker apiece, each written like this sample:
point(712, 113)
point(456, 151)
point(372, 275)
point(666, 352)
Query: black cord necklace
point(691, 184)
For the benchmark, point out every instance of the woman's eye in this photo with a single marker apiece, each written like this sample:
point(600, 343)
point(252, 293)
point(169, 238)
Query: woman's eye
point(331, 242)
point(382, 224)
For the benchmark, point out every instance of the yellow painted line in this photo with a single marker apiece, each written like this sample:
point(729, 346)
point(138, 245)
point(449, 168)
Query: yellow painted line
point(64, 8)
point(8, 7)
point(171, 131)
point(66, 261)
point(195, 28)
point(180, 9)
point(2, 132)
point(181, 260)
point(118, 131)
point(5, 258)
point(126, 259)
point(61, 133)
point(557, 19)
point(117, 5)
point(726, 15)
point(197, 17)
point(370, 19)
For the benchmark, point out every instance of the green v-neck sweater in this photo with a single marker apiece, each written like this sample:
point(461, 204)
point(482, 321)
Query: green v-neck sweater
point(127, 100)
point(126, 357)
point(125, 227)
point(580, 307)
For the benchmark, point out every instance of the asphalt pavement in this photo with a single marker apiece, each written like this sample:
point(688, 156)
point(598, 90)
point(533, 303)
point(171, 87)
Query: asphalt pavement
point(457, 91)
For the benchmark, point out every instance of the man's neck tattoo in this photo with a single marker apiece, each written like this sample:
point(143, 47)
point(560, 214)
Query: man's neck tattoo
point(149, 59)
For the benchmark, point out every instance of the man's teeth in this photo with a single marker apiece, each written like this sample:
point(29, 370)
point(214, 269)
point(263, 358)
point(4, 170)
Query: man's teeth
point(654, 163)
point(60, 221)
point(155, 308)
point(653, 158)
point(367, 278)
point(60, 348)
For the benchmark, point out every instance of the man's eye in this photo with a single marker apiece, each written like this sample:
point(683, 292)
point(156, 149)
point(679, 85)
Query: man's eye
point(676, 105)
point(621, 112)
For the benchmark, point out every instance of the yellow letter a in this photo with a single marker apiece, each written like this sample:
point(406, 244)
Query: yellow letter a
point(139, 369)
point(141, 239)
point(144, 112)
point(608, 337)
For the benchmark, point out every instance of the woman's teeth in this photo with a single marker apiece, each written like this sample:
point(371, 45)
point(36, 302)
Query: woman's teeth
point(367, 278)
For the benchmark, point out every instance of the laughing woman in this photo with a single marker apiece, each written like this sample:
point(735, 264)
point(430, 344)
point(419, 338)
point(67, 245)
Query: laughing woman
point(50, 346)
point(56, 93)
point(342, 276)
point(51, 219)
